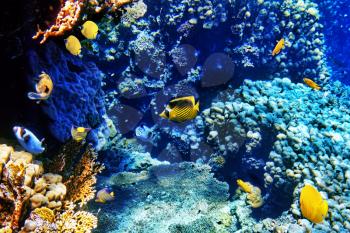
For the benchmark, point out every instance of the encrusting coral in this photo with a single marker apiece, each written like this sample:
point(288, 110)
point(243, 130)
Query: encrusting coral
point(40, 200)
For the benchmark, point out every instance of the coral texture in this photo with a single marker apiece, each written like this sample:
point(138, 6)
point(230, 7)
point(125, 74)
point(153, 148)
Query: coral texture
point(66, 19)
point(27, 195)
point(77, 98)
point(163, 199)
point(310, 134)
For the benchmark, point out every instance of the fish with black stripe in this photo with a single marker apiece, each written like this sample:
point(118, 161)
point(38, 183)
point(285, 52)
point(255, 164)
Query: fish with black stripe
point(181, 109)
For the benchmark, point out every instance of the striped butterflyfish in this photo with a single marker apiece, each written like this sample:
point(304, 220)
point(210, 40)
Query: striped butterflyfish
point(181, 109)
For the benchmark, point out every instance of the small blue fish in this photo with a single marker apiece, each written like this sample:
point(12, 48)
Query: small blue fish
point(28, 140)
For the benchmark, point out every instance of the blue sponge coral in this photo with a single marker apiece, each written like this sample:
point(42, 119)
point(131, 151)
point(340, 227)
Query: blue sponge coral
point(77, 98)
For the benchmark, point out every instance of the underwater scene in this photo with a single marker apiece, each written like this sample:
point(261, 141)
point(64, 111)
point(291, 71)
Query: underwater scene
point(175, 116)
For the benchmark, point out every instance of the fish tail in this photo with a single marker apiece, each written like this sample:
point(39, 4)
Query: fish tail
point(35, 96)
point(196, 107)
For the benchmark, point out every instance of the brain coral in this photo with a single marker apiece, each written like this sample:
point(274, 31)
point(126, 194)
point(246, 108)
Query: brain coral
point(77, 98)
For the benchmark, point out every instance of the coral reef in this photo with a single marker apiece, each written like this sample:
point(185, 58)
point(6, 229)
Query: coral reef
point(70, 12)
point(80, 184)
point(309, 131)
point(163, 200)
point(77, 98)
point(26, 191)
point(66, 19)
point(254, 197)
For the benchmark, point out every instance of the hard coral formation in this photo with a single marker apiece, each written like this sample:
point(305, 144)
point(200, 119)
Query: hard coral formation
point(309, 131)
point(254, 197)
point(27, 195)
point(70, 12)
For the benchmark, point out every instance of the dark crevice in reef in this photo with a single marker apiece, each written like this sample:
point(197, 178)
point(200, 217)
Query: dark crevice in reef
point(250, 167)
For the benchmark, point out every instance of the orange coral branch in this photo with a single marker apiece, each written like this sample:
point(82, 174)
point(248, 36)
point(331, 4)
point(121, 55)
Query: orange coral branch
point(80, 186)
point(66, 19)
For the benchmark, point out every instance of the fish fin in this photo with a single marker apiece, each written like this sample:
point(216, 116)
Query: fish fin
point(112, 194)
point(34, 96)
point(196, 107)
point(186, 99)
point(26, 138)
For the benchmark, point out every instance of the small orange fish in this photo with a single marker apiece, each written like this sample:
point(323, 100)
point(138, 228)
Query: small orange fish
point(311, 84)
point(104, 195)
point(279, 46)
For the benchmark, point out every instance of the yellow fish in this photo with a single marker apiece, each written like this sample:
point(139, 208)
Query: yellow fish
point(246, 186)
point(311, 84)
point(104, 195)
point(312, 205)
point(89, 30)
point(73, 45)
point(181, 109)
point(43, 88)
point(279, 46)
point(79, 133)
point(254, 197)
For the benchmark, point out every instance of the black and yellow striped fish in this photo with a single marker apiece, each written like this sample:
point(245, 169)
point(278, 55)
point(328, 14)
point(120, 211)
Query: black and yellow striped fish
point(181, 109)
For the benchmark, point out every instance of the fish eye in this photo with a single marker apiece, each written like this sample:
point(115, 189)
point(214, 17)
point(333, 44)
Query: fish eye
point(167, 113)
